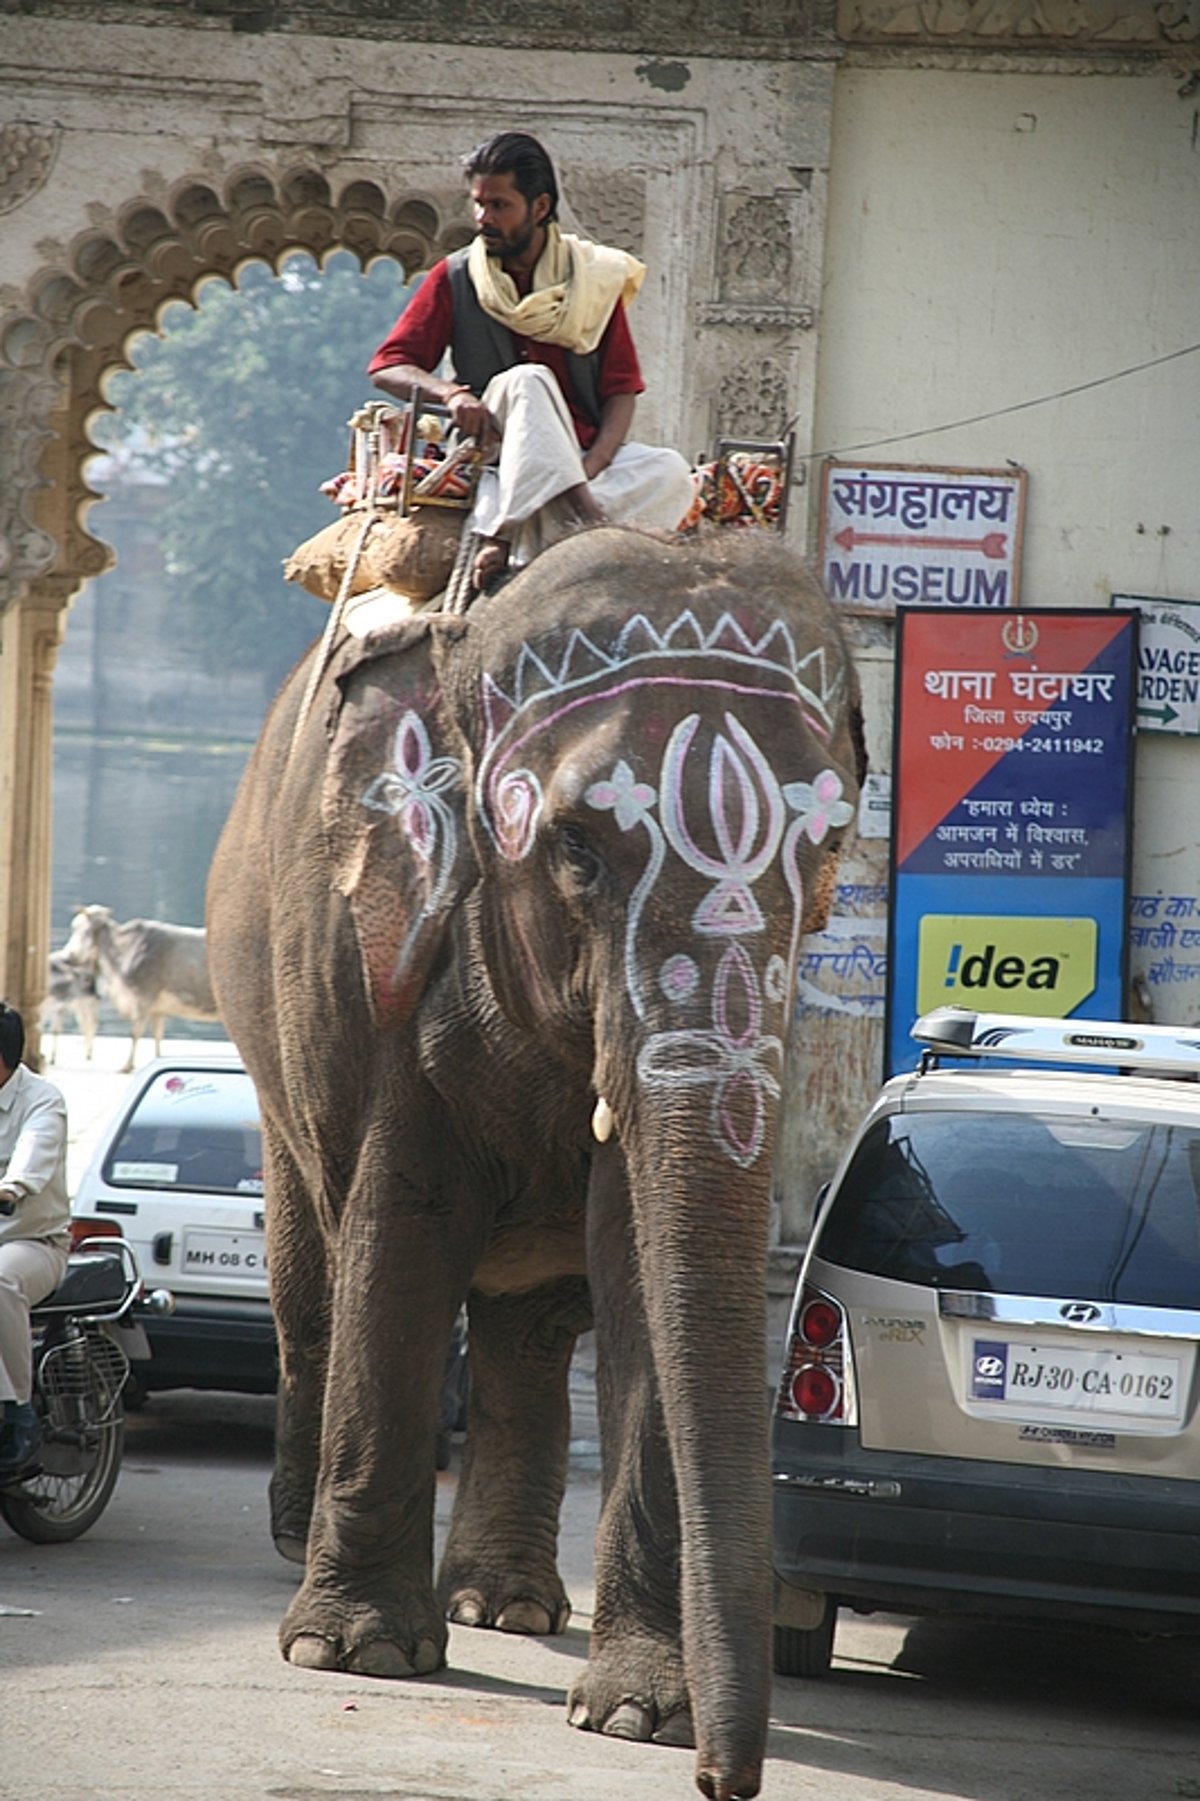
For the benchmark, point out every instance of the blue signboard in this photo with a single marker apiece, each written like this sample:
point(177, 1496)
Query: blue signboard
point(1011, 803)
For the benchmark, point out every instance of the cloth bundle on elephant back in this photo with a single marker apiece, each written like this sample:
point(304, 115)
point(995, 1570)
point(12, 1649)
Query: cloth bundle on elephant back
point(411, 554)
point(514, 997)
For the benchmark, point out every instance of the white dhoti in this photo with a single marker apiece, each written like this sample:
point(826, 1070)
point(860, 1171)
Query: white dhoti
point(521, 498)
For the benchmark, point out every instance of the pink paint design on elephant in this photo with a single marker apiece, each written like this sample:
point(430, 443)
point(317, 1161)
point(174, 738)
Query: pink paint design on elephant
point(415, 791)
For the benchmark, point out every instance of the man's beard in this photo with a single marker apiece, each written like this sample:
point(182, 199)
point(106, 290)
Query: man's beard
point(516, 243)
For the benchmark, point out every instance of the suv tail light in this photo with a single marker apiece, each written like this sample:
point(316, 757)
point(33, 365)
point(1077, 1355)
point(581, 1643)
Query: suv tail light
point(817, 1383)
point(82, 1228)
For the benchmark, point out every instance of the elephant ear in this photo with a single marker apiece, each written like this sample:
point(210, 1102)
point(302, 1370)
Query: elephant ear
point(393, 810)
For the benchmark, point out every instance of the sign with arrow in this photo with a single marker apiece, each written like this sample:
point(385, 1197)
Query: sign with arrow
point(908, 534)
point(1168, 690)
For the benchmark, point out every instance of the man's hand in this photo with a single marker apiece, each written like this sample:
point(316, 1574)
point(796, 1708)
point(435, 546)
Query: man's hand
point(616, 417)
point(8, 1201)
point(471, 418)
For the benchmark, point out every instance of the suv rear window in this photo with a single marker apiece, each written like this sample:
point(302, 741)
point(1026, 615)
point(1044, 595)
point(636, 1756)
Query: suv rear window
point(1021, 1204)
point(191, 1129)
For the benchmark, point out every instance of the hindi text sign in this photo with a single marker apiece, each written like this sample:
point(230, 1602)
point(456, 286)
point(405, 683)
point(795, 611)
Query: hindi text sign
point(917, 536)
point(1011, 805)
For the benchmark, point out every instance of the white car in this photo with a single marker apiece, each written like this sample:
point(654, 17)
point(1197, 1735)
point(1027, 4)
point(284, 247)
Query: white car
point(178, 1173)
point(991, 1395)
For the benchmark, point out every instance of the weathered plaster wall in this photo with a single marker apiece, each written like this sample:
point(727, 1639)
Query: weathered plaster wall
point(995, 238)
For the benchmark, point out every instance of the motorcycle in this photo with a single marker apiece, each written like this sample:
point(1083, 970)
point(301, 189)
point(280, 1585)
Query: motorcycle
point(84, 1336)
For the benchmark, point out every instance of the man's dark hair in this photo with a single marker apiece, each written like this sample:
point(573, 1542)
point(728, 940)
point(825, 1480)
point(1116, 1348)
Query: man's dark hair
point(12, 1036)
point(518, 154)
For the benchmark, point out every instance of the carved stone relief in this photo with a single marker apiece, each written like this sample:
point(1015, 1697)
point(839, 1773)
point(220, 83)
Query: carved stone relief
point(761, 273)
point(754, 399)
point(27, 155)
point(608, 206)
point(1107, 24)
point(679, 28)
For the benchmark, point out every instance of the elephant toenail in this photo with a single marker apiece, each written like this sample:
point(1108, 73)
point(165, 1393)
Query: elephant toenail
point(467, 1610)
point(308, 1652)
point(529, 1617)
point(294, 1549)
point(429, 1657)
point(379, 1657)
point(579, 1717)
point(676, 1729)
point(628, 1721)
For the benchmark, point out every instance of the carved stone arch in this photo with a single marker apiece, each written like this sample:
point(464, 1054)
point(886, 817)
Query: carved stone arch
point(61, 336)
point(64, 335)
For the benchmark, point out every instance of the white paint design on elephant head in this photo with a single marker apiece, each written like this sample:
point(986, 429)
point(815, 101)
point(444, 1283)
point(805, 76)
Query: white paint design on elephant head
point(685, 654)
point(743, 1065)
point(517, 807)
point(746, 814)
point(414, 791)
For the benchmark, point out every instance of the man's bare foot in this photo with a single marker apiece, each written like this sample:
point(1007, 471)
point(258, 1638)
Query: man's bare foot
point(585, 506)
point(491, 560)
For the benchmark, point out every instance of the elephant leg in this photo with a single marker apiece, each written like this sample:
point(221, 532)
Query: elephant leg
point(634, 1685)
point(367, 1602)
point(297, 1258)
point(500, 1565)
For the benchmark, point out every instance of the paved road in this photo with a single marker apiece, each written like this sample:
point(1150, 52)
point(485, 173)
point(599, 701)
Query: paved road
point(140, 1665)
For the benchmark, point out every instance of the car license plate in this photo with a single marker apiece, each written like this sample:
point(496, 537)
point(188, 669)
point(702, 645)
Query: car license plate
point(1020, 1376)
point(224, 1254)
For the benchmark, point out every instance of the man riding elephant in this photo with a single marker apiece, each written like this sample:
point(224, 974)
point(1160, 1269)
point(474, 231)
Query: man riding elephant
point(546, 374)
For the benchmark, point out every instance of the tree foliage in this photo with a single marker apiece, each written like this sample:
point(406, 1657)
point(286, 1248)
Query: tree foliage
point(237, 412)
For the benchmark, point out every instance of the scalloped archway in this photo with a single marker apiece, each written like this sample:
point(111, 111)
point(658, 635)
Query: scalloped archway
point(59, 342)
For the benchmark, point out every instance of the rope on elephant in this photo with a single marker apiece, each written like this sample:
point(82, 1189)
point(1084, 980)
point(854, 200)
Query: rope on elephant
point(333, 626)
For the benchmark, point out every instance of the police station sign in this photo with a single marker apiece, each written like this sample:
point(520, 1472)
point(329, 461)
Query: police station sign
point(1011, 804)
point(934, 537)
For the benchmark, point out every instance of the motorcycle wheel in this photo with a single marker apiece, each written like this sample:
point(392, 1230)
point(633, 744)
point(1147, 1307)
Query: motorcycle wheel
point(72, 1479)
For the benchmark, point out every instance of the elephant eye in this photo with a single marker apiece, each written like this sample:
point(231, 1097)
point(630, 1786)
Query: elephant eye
point(577, 854)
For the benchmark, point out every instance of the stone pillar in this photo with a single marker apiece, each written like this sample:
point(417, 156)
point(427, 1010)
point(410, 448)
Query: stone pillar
point(30, 634)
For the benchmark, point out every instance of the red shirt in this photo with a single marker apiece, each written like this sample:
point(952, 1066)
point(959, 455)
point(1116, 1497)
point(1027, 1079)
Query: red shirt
point(422, 334)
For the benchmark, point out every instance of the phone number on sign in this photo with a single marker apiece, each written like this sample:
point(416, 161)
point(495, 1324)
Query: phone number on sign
point(1076, 747)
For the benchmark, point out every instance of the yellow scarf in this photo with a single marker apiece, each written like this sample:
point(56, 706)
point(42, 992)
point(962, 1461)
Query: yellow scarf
point(576, 285)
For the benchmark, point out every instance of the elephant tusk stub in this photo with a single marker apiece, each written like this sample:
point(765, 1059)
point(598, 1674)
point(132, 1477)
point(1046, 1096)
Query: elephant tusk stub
point(602, 1121)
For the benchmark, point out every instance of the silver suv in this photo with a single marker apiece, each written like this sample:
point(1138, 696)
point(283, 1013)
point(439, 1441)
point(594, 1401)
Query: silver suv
point(991, 1395)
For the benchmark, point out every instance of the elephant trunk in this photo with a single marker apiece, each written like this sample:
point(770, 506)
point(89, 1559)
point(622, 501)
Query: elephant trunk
point(703, 1251)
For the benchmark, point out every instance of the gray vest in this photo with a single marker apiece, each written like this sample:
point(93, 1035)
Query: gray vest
point(482, 347)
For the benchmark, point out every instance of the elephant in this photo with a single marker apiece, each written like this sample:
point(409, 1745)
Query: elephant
point(504, 922)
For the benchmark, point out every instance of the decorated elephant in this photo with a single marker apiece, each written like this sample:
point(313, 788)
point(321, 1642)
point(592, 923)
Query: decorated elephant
point(505, 923)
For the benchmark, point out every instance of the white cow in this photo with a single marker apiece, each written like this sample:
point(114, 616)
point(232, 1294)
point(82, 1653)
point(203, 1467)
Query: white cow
point(150, 971)
point(70, 989)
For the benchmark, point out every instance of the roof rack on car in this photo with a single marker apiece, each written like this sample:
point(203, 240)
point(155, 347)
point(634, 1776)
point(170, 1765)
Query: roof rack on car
point(958, 1032)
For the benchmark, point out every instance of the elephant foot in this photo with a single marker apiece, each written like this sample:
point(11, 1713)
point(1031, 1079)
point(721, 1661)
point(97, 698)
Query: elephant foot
point(527, 1605)
point(634, 1689)
point(520, 1613)
point(319, 1632)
